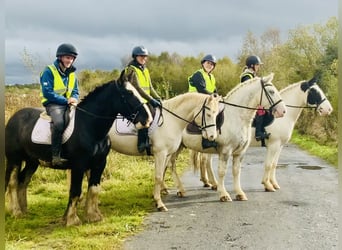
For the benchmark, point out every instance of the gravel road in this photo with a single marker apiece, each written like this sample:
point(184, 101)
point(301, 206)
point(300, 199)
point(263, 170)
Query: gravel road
point(303, 214)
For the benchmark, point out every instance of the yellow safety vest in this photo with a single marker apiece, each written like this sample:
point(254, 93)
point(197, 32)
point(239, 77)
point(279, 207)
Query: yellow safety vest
point(143, 78)
point(251, 75)
point(58, 84)
point(210, 82)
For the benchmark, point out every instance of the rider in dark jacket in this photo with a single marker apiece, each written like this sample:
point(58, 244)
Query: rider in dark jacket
point(251, 69)
point(203, 81)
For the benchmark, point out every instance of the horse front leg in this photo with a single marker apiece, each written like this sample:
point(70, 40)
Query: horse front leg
point(70, 216)
point(273, 178)
point(93, 213)
point(269, 161)
point(236, 170)
point(222, 170)
point(210, 172)
point(160, 164)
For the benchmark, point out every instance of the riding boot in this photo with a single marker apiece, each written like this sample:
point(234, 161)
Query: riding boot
point(208, 144)
point(260, 132)
point(56, 145)
point(142, 139)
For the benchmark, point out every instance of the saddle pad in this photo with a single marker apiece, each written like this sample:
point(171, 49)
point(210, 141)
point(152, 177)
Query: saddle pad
point(124, 127)
point(41, 133)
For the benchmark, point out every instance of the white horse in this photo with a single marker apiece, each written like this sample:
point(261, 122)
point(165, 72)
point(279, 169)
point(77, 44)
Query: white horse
point(236, 130)
point(166, 136)
point(297, 96)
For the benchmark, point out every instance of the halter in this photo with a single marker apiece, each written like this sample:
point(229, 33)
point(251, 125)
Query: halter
point(131, 118)
point(202, 110)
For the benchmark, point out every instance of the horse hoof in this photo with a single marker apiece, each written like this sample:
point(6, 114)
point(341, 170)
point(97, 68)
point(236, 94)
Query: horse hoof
point(225, 198)
point(162, 209)
point(164, 192)
point(214, 188)
point(180, 194)
point(276, 186)
point(269, 189)
point(241, 197)
point(206, 185)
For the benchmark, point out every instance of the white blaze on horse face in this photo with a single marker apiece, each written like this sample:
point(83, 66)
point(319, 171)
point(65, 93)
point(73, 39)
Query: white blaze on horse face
point(324, 108)
point(129, 86)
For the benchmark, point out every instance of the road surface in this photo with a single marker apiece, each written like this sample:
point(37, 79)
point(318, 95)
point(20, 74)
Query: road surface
point(303, 214)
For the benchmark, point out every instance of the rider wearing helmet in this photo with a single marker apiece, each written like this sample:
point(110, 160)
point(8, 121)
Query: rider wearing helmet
point(138, 75)
point(59, 89)
point(251, 69)
point(203, 81)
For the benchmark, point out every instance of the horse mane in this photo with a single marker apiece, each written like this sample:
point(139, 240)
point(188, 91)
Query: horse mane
point(176, 101)
point(240, 85)
point(95, 91)
point(290, 87)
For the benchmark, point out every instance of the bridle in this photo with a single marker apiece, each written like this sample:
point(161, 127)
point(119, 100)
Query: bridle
point(315, 105)
point(268, 96)
point(134, 111)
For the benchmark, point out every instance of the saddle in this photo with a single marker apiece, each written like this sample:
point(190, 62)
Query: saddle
point(41, 133)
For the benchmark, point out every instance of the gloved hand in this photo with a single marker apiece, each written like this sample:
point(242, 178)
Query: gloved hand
point(155, 103)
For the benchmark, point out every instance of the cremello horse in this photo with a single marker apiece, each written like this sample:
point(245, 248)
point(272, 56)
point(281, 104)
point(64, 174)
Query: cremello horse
point(166, 137)
point(297, 96)
point(234, 138)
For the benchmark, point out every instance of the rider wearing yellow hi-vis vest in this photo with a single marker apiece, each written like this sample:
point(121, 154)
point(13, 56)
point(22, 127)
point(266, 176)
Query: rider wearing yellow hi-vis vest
point(138, 75)
point(59, 89)
point(203, 81)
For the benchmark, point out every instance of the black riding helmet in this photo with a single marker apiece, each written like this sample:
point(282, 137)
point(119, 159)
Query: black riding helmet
point(253, 60)
point(66, 49)
point(139, 51)
point(209, 58)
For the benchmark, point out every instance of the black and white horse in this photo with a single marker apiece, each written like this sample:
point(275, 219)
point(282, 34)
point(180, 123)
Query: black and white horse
point(86, 149)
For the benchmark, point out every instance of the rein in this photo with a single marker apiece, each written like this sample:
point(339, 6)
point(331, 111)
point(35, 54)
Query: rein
point(190, 122)
point(131, 118)
point(267, 95)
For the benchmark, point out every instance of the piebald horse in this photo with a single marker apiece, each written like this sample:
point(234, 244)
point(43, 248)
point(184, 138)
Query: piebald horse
point(297, 96)
point(166, 135)
point(235, 135)
point(86, 148)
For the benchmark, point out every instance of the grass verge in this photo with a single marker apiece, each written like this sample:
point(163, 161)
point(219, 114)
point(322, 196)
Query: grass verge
point(327, 152)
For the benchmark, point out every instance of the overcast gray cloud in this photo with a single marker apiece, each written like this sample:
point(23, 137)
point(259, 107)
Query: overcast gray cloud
point(105, 31)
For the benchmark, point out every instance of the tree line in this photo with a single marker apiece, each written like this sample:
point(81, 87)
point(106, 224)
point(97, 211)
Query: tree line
point(308, 51)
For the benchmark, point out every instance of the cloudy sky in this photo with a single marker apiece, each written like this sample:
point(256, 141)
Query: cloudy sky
point(105, 31)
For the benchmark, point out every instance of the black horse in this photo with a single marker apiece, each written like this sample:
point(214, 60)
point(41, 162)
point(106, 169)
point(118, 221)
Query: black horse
point(86, 149)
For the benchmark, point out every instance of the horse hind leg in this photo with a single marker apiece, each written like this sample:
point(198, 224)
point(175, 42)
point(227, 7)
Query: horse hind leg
point(11, 184)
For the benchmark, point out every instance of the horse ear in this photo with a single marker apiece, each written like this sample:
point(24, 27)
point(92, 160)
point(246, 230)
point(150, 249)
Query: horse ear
point(313, 80)
point(268, 78)
point(121, 78)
